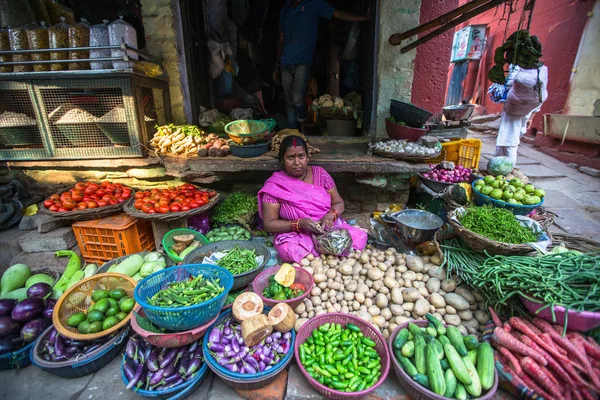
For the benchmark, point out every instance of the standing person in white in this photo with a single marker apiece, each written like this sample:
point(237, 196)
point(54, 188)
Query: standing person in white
point(528, 91)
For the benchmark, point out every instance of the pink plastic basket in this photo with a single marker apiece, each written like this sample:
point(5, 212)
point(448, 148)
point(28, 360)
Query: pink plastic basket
point(367, 329)
point(416, 391)
point(581, 321)
point(302, 276)
point(169, 340)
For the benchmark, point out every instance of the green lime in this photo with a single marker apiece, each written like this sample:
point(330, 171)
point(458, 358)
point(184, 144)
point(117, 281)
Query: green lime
point(90, 308)
point(121, 316)
point(113, 302)
point(488, 179)
point(76, 319)
point(117, 294)
point(102, 306)
point(95, 327)
point(84, 327)
point(127, 305)
point(94, 316)
point(98, 295)
point(109, 323)
point(112, 311)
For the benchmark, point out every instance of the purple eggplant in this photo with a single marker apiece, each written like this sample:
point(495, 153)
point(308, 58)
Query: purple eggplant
point(193, 347)
point(6, 306)
point(216, 347)
point(52, 335)
point(169, 369)
point(9, 326)
point(10, 343)
point(129, 371)
point(214, 336)
point(50, 303)
point(252, 361)
point(136, 377)
point(47, 313)
point(168, 358)
point(262, 365)
point(183, 364)
point(59, 346)
point(152, 362)
point(92, 348)
point(194, 366)
point(71, 351)
point(157, 377)
point(41, 290)
point(32, 329)
point(130, 348)
point(172, 377)
point(249, 369)
point(28, 309)
point(232, 367)
point(178, 381)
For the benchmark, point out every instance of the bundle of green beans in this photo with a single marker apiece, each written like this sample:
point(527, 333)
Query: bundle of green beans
point(186, 293)
point(497, 224)
point(238, 261)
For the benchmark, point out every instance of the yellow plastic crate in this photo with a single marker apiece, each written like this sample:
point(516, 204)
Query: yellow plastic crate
point(465, 152)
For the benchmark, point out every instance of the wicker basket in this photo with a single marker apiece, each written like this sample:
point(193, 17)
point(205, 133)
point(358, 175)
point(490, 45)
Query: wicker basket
point(171, 216)
point(415, 390)
point(367, 329)
point(78, 298)
point(481, 243)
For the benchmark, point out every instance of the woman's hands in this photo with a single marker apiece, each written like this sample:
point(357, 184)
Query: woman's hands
point(309, 225)
point(327, 221)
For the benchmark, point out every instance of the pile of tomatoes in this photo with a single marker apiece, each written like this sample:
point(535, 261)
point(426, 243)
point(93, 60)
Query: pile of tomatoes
point(181, 198)
point(88, 195)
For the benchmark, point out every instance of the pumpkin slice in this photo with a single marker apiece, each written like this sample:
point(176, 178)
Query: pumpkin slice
point(282, 317)
point(286, 275)
point(246, 305)
point(255, 329)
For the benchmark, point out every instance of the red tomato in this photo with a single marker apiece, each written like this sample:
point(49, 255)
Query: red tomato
point(152, 211)
point(121, 200)
point(100, 192)
point(175, 208)
point(55, 197)
point(212, 193)
point(201, 202)
point(80, 186)
point(152, 201)
point(92, 204)
point(193, 204)
point(69, 204)
point(102, 203)
point(94, 186)
point(107, 197)
point(140, 195)
point(48, 203)
point(76, 195)
point(62, 209)
point(164, 209)
point(185, 207)
point(173, 196)
point(95, 197)
point(156, 206)
point(89, 191)
point(146, 207)
point(138, 204)
point(81, 206)
point(113, 202)
point(54, 208)
point(126, 195)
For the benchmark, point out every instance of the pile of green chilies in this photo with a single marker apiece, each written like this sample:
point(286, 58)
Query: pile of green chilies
point(238, 261)
point(497, 224)
point(564, 279)
point(186, 293)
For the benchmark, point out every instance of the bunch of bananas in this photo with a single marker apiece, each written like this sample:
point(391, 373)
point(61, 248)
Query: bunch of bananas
point(521, 49)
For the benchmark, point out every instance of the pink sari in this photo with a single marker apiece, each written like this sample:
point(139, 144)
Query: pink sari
point(305, 201)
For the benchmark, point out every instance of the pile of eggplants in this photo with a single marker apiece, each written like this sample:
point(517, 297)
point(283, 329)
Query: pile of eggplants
point(226, 345)
point(154, 368)
point(22, 322)
point(56, 347)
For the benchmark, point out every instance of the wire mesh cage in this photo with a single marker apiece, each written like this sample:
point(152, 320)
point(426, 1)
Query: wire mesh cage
point(80, 117)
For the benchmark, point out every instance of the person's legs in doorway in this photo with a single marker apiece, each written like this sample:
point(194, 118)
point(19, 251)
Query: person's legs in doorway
point(287, 82)
point(301, 77)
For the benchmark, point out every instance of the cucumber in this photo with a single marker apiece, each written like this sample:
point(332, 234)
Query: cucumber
point(439, 327)
point(457, 365)
point(485, 365)
point(430, 330)
point(414, 329)
point(439, 348)
point(401, 338)
point(444, 363)
point(408, 350)
point(470, 342)
point(472, 354)
point(451, 383)
point(420, 354)
point(422, 380)
point(443, 340)
point(434, 371)
point(405, 363)
point(456, 339)
point(460, 393)
point(474, 389)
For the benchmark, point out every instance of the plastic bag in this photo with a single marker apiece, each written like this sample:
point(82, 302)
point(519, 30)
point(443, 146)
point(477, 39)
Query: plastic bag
point(58, 37)
point(120, 32)
point(17, 38)
point(40, 11)
point(99, 37)
point(57, 12)
point(5, 45)
point(79, 36)
point(15, 13)
point(335, 242)
point(37, 38)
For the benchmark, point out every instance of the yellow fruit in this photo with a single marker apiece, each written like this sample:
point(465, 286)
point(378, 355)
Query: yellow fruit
point(286, 275)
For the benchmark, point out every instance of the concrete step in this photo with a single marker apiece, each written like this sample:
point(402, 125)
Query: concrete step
point(58, 239)
point(44, 259)
point(43, 223)
point(9, 246)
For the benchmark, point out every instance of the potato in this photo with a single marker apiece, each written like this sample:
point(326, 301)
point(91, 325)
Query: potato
point(378, 320)
point(402, 320)
point(450, 310)
point(465, 315)
point(360, 297)
point(332, 263)
point(339, 296)
point(386, 313)
point(310, 257)
point(320, 312)
point(436, 300)
point(352, 286)
point(422, 290)
point(481, 317)
point(365, 316)
point(316, 301)
point(384, 290)
point(419, 276)
point(337, 307)
point(452, 319)
point(421, 307)
point(331, 273)
point(364, 258)
point(402, 269)
point(457, 301)
point(436, 259)
point(448, 285)
point(437, 272)
point(351, 262)
point(311, 314)
point(320, 278)
point(396, 309)
point(478, 296)
point(382, 266)
point(466, 294)
point(316, 263)
point(408, 306)
point(463, 330)
point(348, 296)
point(381, 300)
point(304, 262)
point(433, 285)
point(397, 297)
point(299, 323)
point(441, 311)
point(309, 270)
point(355, 305)
point(362, 288)
point(470, 322)
point(471, 330)
point(377, 285)
point(368, 302)
point(325, 296)
point(414, 263)
point(345, 269)
point(303, 315)
point(334, 285)
point(409, 275)
point(375, 274)
point(410, 294)
point(300, 309)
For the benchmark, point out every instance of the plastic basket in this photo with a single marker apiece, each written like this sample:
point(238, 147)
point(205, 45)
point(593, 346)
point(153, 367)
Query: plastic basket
point(415, 390)
point(517, 209)
point(302, 276)
point(249, 131)
point(104, 239)
point(78, 298)
point(465, 152)
point(236, 379)
point(85, 365)
point(411, 114)
point(367, 329)
point(182, 318)
point(16, 359)
point(167, 241)
point(249, 150)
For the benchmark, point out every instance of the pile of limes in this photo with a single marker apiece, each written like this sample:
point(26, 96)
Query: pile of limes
point(109, 308)
point(511, 192)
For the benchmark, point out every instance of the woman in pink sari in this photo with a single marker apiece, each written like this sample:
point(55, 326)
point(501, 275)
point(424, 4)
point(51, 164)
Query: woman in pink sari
point(301, 200)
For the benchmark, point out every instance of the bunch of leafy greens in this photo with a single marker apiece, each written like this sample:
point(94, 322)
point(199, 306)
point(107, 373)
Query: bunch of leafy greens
point(497, 224)
point(239, 207)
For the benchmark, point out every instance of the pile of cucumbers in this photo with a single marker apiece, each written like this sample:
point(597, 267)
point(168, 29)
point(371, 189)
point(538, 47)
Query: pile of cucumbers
point(444, 361)
point(109, 308)
point(234, 232)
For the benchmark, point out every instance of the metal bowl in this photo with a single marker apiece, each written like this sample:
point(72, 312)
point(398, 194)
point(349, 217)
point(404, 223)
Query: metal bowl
point(458, 113)
point(416, 226)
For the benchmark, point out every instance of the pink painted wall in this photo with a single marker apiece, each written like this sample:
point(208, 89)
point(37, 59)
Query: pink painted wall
point(432, 60)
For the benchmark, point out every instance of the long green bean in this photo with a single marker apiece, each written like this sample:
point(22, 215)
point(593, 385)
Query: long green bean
point(186, 293)
point(238, 261)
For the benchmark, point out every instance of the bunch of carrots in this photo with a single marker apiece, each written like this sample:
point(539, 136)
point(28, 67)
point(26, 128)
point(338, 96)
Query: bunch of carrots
point(540, 358)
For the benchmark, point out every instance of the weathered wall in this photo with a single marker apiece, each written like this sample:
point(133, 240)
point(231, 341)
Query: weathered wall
point(395, 70)
point(160, 41)
point(432, 60)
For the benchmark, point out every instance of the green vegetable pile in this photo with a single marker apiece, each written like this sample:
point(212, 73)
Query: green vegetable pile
point(193, 291)
point(239, 207)
point(238, 261)
point(342, 359)
point(234, 232)
point(109, 308)
point(147, 325)
point(443, 360)
point(497, 224)
point(277, 291)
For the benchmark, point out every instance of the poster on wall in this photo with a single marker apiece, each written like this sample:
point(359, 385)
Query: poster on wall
point(468, 43)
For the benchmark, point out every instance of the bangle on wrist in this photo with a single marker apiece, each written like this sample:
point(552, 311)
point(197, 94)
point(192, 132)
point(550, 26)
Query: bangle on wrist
point(335, 213)
point(295, 227)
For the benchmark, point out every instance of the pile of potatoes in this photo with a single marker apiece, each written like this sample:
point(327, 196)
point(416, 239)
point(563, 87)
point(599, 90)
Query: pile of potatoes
point(387, 288)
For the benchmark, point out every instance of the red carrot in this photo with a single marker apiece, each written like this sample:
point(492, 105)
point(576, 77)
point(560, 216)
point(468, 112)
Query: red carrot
point(593, 351)
point(531, 326)
point(505, 339)
point(512, 360)
point(506, 326)
point(531, 385)
point(495, 318)
point(593, 342)
point(577, 393)
point(557, 349)
point(540, 375)
point(517, 323)
point(587, 395)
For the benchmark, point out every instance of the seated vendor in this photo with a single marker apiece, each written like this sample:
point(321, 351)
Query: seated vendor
point(301, 200)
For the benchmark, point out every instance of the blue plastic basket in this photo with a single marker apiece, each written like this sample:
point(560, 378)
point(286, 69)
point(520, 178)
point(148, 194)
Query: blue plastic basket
point(517, 209)
point(176, 392)
point(224, 372)
point(182, 318)
point(16, 359)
